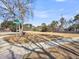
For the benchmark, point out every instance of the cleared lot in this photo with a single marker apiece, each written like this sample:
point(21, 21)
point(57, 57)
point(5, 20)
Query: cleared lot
point(61, 50)
point(69, 35)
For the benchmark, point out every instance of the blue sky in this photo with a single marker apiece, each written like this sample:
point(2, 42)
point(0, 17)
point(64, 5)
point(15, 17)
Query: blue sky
point(46, 11)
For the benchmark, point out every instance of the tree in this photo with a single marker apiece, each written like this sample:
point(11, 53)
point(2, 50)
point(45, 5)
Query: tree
point(70, 22)
point(8, 24)
point(53, 25)
point(76, 17)
point(44, 27)
point(13, 9)
point(62, 23)
point(28, 27)
point(76, 20)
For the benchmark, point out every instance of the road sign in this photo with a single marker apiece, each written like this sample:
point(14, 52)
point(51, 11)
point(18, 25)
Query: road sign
point(18, 21)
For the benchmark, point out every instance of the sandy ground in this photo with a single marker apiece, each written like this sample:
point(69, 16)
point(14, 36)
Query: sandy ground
point(69, 51)
point(69, 35)
point(40, 36)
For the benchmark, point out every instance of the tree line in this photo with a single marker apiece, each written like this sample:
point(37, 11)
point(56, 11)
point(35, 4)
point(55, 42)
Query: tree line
point(62, 25)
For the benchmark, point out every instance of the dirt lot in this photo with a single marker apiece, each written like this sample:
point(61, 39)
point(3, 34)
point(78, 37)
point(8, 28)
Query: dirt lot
point(40, 36)
point(65, 51)
point(69, 35)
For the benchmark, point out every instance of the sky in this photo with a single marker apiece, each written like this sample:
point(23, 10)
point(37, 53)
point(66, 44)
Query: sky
point(45, 11)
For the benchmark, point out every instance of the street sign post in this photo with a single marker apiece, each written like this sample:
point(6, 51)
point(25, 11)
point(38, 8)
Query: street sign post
point(18, 21)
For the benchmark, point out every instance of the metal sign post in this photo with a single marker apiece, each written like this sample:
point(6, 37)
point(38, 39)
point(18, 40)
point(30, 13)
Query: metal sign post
point(18, 22)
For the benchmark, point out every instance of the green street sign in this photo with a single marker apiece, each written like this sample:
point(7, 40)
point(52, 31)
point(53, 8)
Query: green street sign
point(18, 21)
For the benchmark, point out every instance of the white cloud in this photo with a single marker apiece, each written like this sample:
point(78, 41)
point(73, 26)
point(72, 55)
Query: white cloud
point(60, 0)
point(50, 14)
point(77, 11)
point(41, 14)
